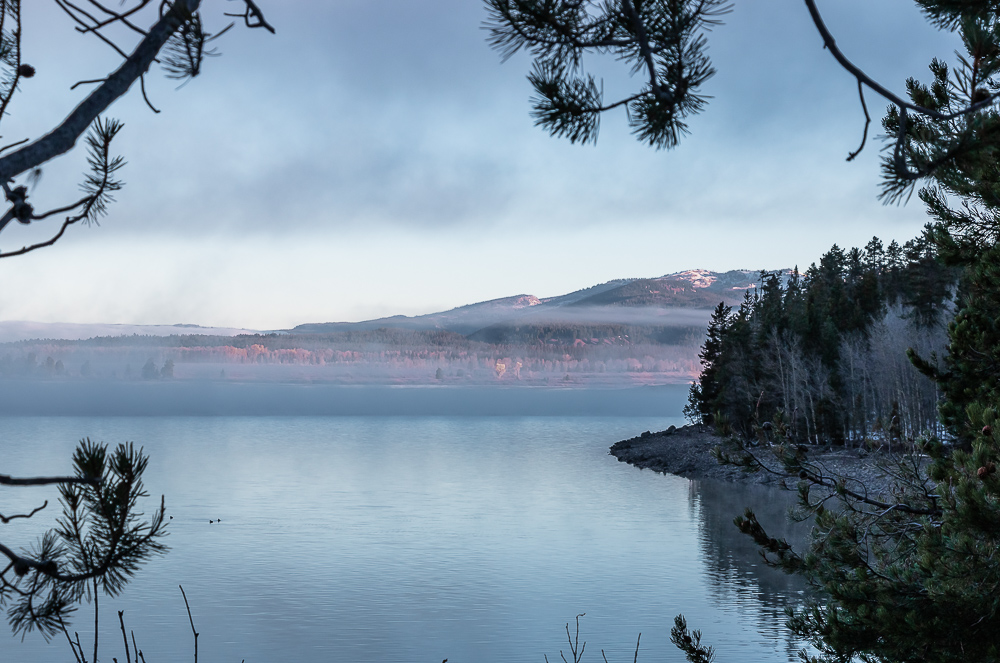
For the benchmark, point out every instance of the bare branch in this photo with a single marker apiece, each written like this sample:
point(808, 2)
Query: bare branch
point(117, 17)
point(88, 82)
point(66, 6)
point(63, 138)
point(6, 480)
point(60, 210)
point(830, 43)
point(253, 17)
point(72, 646)
point(121, 621)
point(142, 86)
point(191, 619)
point(13, 145)
point(868, 121)
point(6, 519)
point(40, 245)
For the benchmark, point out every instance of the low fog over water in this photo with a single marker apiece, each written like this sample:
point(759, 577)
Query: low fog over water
point(565, 354)
point(117, 398)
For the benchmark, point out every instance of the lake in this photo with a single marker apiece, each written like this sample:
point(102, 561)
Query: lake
point(402, 538)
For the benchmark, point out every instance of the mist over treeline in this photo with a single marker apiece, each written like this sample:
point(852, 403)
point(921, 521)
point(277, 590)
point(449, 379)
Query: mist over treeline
point(548, 353)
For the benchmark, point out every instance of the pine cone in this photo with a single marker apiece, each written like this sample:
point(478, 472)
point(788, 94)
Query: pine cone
point(25, 71)
point(981, 473)
point(987, 430)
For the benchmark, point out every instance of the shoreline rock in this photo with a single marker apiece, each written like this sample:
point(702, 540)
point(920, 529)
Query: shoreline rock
point(687, 452)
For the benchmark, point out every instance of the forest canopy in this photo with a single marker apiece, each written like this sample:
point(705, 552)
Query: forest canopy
point(823, 354)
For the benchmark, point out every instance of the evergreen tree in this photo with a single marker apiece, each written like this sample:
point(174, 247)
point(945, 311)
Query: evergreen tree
point(703, 400)
point(795, 303)
point(98, 544)
point(892, 278)
point(908, 576)
point(149, 370)
point(929, 283)
point(874, 256)
point(769, 308)
point(971, 374)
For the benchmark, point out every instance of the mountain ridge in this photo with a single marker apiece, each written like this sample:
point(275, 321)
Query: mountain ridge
point(668, 300)
point(673, 300)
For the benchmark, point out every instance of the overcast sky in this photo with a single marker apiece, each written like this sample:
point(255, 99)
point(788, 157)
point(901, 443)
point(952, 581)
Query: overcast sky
point(375, 157)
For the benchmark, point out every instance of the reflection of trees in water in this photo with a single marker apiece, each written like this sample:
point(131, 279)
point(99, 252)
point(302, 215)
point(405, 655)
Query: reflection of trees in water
point(737, 577)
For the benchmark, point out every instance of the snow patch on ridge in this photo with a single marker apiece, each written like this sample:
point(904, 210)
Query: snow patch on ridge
point(698, 278)
point(524, 301)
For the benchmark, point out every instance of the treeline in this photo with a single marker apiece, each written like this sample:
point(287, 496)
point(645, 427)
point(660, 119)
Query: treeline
point(500, 334)
point(823, 355)
point(351, 356)
point(271, 341)
point(587, 334)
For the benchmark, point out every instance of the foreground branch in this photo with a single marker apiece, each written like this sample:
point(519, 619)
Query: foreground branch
point(6, 480)
point(62, 139)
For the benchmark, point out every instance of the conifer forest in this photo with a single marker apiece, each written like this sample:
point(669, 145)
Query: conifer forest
point(823, 354)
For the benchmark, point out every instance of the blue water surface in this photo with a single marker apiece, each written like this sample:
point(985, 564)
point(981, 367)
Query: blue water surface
point(414, 538)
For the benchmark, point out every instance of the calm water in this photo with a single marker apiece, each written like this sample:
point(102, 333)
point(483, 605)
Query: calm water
point(403, 539)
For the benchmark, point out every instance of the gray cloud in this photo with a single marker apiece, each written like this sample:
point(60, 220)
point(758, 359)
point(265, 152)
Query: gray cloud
point(397, 112)
point(394, 118)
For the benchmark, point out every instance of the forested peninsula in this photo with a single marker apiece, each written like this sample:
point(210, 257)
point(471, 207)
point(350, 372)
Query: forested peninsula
point(830, 359)
point(833, 355)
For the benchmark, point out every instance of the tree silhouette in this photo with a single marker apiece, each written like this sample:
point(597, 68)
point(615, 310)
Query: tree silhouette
point(101, 540)
point(176, 38)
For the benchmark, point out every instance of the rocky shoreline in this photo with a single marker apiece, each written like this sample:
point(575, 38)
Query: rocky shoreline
point(687, 452)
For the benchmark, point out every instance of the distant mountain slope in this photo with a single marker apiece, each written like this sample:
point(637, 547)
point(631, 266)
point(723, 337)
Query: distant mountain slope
point(680, 299)
point(462, 320)
point(695, 288)
point(626, 332)
point(576, 296)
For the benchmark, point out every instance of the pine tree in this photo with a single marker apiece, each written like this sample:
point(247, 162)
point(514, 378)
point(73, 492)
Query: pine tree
point(971, 374)
point(929, 283)
point(703, 400)
point(912, 575)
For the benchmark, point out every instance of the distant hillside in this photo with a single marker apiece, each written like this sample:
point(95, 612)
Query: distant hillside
point(669, 300)
point(462, 320)
point(624, 332)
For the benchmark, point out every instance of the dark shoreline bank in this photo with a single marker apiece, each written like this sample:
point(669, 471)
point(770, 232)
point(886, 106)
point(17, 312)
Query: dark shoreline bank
point(687, 452)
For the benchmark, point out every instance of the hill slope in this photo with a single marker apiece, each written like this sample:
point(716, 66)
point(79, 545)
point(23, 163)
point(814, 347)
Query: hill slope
point(680, 299)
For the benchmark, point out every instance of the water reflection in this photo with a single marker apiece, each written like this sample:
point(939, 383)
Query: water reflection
point(400, 539)
point(738, 578)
